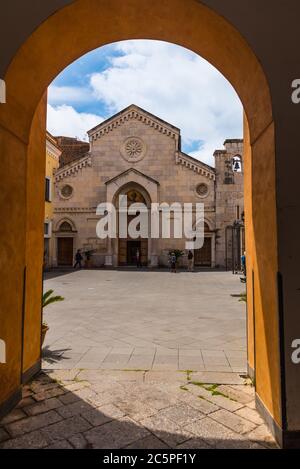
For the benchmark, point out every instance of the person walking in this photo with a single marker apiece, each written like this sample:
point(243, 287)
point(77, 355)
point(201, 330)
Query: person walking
point(190, 261)
point(78, 259)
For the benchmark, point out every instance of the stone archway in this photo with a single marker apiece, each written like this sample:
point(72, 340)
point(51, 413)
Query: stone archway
point(64, 236)
point(148, 188)
point(125, 249)
point(22, 121)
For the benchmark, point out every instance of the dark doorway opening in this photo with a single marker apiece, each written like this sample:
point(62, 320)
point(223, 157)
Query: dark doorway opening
point(132, 248)
point(203, 255)
point(65, 251)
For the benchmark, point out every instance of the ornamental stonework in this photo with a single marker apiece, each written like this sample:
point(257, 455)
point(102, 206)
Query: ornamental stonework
point(133, 149)
point(202, 190)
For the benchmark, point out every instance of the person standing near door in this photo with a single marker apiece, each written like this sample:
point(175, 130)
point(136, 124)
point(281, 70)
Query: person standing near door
point(78, 259)
point(243, 263)
point(138, 258)
point(190, 261)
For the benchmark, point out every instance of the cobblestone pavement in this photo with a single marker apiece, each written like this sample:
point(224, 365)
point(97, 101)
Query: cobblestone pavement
point(116, 319)
point(135, 409)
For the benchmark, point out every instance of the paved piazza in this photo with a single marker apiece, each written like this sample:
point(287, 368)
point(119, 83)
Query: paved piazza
point(112, 355)
point(146, 320)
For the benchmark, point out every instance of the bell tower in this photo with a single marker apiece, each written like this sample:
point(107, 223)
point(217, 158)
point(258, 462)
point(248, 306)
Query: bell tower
point(229, 201)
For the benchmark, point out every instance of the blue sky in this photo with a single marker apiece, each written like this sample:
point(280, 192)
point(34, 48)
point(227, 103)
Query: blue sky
point(171, 82)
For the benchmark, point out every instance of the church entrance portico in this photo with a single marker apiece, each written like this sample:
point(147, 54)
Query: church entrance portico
point(138, 188)
point(133, 251)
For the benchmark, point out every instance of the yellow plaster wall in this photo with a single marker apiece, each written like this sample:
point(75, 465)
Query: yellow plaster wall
point(249, 242)
point(262, 267)
point(34, 237)
point(12, 258)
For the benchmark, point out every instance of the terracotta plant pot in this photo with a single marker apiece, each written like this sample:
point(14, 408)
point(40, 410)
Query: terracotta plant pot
point(45, 328)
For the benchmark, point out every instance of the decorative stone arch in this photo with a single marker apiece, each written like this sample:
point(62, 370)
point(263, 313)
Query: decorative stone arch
point(190, 24)
point(59, 233)
point(237, 158)
point(62, 220)
point(132, 176)
point(148, 187)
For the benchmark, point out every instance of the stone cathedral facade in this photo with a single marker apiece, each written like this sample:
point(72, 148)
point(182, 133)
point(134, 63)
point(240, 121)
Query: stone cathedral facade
point(136, 154)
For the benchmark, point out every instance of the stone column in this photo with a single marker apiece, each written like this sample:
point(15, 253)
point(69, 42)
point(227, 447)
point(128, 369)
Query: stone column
point(109, 254)
point(213, 250)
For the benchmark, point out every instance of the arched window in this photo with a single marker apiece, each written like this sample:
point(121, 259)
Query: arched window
point(237, 164)
point(65, 226)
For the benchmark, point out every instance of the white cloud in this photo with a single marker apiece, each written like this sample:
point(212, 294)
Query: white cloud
point(176, 85)
point(67, 94)
point(167, 80)
point(65, 120)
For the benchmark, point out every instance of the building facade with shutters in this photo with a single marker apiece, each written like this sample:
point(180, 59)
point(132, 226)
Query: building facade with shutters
point(136, 154)
point(53, 153)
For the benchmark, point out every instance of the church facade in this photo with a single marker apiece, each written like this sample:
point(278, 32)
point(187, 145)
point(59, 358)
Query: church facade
point(136, 154)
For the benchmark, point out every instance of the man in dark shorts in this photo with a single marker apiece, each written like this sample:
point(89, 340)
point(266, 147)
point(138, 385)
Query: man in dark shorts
point(78, 259)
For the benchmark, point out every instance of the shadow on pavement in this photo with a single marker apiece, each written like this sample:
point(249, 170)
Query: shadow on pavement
point(78, 414)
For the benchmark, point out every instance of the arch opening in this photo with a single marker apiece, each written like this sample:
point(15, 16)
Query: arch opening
point(23, 123)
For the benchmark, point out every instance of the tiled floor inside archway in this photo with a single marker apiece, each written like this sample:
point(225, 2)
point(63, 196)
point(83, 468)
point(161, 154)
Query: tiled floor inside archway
point(134, 409)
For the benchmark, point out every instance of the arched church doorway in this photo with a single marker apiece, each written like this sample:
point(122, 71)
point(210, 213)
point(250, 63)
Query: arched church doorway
point(64, 237)
point(204, 256)
point(133, 252)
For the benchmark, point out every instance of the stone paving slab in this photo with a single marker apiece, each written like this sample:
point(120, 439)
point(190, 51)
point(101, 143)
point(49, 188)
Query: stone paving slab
point(113, 409)
point(145, 320)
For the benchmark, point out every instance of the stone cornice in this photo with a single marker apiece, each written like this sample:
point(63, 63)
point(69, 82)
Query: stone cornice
point(128, 171)
point(195, 165)
point(52, 150)
point(73, 168)
point(133, 113)
point(62, 210)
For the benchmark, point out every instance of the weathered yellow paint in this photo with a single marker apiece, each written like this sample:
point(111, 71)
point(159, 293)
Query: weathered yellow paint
point(65, 36)
point(249, 242)
point(34, 237)
point(260, 213)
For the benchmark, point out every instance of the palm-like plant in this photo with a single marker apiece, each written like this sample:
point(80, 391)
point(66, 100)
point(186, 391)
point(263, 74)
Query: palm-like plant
point(243, 297)
point(177, 253)
point(48, 299)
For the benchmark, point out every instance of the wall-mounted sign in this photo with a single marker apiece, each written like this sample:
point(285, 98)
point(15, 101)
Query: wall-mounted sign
point(2, 92)
point(2, 351)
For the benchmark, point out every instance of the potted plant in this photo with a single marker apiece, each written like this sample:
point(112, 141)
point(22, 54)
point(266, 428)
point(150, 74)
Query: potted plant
point(47, 300)
point(177, 253)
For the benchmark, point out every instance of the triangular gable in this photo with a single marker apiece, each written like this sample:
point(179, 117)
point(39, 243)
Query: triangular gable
point(133, 112)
